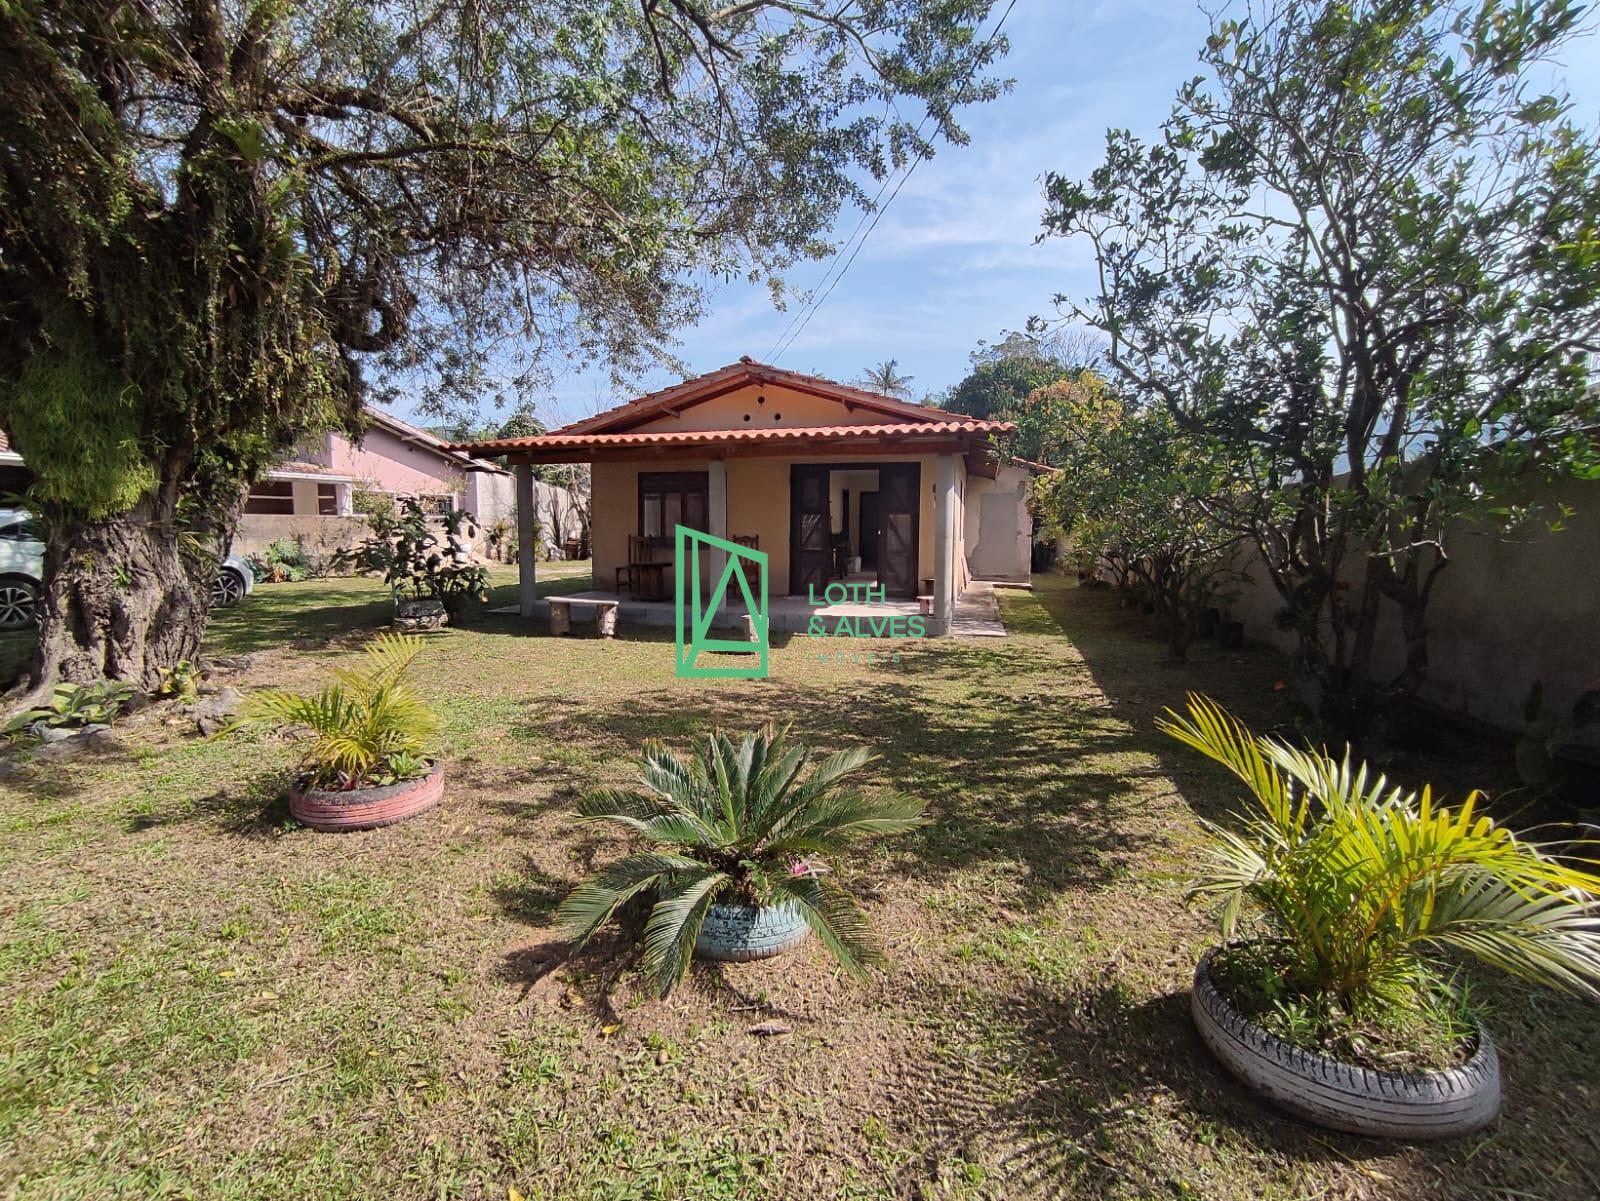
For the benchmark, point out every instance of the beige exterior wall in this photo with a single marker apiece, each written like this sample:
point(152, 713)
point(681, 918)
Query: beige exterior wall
point(319, 535)
point(1508, 611)
point(758, 504)
point(765, 408)
point(998, 528)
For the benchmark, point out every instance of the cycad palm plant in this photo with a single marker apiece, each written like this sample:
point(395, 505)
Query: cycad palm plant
point(366, 726)
point(742, 823)
point(1364, 885)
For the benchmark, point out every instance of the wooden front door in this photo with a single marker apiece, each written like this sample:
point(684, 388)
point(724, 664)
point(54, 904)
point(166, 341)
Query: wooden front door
point(900, 511)
point(809, 526)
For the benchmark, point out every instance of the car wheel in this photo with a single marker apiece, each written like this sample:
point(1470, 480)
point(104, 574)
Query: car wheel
point(19, 602)
point(227, 589)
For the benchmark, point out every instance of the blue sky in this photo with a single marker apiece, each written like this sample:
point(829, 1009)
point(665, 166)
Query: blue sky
point(953, 259)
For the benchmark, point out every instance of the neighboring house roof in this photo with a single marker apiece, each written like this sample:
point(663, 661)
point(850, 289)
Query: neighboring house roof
point(611, 429)
point(423, 439)
point(375, 416)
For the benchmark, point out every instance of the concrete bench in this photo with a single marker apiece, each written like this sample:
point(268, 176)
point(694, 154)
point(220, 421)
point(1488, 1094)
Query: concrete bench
point(605, 615)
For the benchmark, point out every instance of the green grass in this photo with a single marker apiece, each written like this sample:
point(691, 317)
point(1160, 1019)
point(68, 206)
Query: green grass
point(198, 998)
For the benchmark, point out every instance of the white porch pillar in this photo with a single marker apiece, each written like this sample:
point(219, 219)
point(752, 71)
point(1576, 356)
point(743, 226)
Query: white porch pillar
point(527, 544)
point(717, 519)
point(946, 512)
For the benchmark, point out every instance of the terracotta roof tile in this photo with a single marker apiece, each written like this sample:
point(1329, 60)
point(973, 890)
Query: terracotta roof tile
point(778, 433)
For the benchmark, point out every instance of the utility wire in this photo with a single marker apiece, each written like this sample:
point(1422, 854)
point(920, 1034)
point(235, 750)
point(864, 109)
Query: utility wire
point(807, 311)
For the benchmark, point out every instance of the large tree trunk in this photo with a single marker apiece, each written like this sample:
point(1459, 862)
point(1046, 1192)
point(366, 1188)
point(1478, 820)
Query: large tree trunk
point(123, 599)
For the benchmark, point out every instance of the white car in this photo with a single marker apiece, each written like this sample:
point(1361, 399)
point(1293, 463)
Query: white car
point(22, 573)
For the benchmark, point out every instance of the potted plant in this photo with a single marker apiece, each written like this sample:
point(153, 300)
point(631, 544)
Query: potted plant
point(1334, 1001)
point(740, 839)
point(366, 762)
point(433, 582)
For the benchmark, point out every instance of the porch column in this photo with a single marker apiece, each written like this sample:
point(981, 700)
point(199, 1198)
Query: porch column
point(527, 540)
point(945, 514)
point(717, 519)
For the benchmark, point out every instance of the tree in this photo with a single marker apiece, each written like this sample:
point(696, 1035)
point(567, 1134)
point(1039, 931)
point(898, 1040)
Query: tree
point(996, 387)
point(1131, 492)
point(520, 424)
point(1362, 259)
point(885, 378)
point(1071, 346)
point(221, 224)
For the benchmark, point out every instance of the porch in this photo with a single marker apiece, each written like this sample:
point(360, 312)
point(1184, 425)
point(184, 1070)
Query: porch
point(822, 482)
point(785, 614)
point(976, 614)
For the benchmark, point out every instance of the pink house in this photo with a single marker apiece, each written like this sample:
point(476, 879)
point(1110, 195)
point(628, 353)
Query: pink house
point(311, 497)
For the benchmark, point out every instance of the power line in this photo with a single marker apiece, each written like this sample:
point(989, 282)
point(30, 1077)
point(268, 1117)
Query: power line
point(807, 311)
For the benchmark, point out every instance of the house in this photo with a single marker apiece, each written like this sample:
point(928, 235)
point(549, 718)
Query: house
point(311, 497)
point(829, 481)
point(14, 474)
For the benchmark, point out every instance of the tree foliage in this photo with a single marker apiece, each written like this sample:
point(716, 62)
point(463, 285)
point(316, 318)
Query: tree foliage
point(996, 387)
point(1133, 495)
point(886, 378)
point(1362, 258)
point(217, 220)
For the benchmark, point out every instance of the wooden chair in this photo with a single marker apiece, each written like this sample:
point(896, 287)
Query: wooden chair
point(645, 574)
point(747, 569)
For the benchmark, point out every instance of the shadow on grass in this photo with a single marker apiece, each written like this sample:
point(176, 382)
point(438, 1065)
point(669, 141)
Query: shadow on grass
point(1086, 1092)
point(256, 808)
point(1047, 790)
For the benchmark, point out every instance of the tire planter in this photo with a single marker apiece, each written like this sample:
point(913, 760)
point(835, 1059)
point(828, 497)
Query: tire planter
point(366, 808)
point(741, 933)
point(1341, 1096)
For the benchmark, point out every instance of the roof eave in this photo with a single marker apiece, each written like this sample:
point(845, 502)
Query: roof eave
point(579, 448)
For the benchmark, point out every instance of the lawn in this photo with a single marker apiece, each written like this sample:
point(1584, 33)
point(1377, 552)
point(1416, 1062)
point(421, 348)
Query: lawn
point(199, 998)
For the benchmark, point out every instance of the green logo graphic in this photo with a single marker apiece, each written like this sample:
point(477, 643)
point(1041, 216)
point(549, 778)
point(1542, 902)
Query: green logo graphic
point(694, 636)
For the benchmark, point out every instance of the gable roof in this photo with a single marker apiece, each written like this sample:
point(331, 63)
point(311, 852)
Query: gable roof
point(739, 375)
point(615, 427)
point(421, 438)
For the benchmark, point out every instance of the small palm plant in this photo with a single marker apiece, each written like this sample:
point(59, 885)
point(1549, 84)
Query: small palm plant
point(366, 727)
point(1364, 886)
point(741, 823)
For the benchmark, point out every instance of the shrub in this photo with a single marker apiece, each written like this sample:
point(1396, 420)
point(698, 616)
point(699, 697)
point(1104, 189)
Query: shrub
point(73, 706)
point(366, 727)
point(286, 560)
point(1361, 888)
point(742, 823)
point(181, 681)
point(410, 557)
